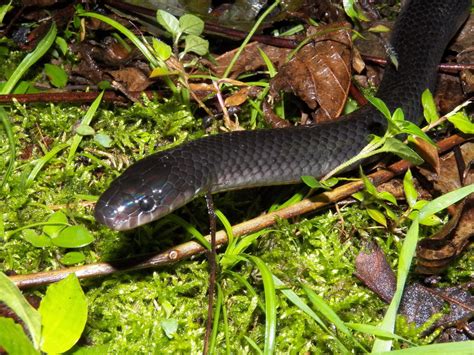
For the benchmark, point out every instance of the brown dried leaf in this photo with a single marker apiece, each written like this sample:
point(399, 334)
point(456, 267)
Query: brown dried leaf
point(319, 74)
point(237, 98)
point(428, 152)
point(132, 78)
point(374, 271)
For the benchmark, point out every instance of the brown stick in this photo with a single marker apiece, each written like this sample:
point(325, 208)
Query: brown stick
point(192, 248)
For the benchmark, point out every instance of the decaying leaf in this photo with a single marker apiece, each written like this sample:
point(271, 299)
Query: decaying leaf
point(320, 72)
point(132, 78)
point(374, 271)
point(420, 303)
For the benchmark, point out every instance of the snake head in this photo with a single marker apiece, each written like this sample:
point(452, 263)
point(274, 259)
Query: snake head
point(141, 195)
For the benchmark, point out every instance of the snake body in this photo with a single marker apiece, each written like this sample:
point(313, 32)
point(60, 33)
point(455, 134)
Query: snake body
point(165, 181)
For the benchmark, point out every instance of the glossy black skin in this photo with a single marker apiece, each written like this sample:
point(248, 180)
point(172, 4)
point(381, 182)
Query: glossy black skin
point(163, 182)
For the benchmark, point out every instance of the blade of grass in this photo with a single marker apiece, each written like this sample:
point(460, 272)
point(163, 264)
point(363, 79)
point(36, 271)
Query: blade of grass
point(249, 36)
point(455, 348)
point(20, 70)
point(42, 162)
point(30, 59)
point(11, 144)
point(270, 304)
point(76, 140)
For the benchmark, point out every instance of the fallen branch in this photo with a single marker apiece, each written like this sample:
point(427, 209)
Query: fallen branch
point(192, 248)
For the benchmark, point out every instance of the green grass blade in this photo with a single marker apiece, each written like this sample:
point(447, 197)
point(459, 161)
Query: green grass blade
point(270, 304)
point(455, 348)
point(30, 59)
point(11, 144)
point(76, 140)
point(42, 162)
point(215, 321)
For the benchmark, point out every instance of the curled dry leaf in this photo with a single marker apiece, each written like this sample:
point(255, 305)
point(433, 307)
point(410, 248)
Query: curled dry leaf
point(435, 253)
point(320, 72)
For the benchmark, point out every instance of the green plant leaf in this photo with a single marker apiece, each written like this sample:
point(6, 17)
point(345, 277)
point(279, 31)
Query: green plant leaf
point(451, 348)
point(400, 149)
point(62, 44)
point(429, 107)
point(162, 50)
point(381, 106)
point(13, 339)
point(410, 191)
point(462, 122)
point(56, 75)
point(352, 11)
point(103, 139)
point(73, 237)
point(58, 217)
point(4, 9)
point(85, 130)
point(191, 24)
point(169, 22)
point(37, 240)
point(196, 44)
point(377, 216)
point(387, 196)
point(72, 258)
point(63, 315)
point(169, 326)
point(314, 183)
point(13, 298)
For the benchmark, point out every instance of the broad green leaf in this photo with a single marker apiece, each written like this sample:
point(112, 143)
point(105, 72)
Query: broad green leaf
point(73, 237)
point(379, 29)
point(62, 44)
point(37, 240)
point(196, 44)
point(169, 326)
point(387, 196)
point(57, 217)
point(370, 188)
point(377, 216)
point(103, 139)
point(400, 149)
point(352, 12)
point(381, 106)
point(191, 24)
point(429, 107)
point(13, 339)
point(63, 315)
point(56, 75)
point(13, 298)
point(374, 330)
point(462, 122)
point(161, 49)
point(169, 22)
point(316, 184)
point(85, 130)
point(410, 191)
point(411, 128)
point(72, 258)
point(398, 115)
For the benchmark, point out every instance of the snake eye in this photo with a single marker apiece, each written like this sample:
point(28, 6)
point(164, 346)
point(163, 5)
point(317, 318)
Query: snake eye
point(146, 204)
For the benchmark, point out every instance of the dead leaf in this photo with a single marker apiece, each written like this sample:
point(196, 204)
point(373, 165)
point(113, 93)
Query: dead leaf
point(428, 152)
point(237, 98)
point(420, 303)
point(132, 78)
point(374, 271)
point(320, 73)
